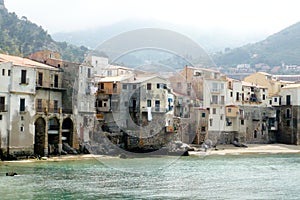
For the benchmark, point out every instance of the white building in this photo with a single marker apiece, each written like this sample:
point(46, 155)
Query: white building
point(214, 97)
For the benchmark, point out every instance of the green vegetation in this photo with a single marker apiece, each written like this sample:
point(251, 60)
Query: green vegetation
point(21, 37)
point(282, 47)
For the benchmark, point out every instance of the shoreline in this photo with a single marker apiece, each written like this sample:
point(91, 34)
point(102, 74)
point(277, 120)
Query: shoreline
point(251, 149)
point(221, 150)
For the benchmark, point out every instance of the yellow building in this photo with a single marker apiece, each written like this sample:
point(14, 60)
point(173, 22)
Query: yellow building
point(264, 79)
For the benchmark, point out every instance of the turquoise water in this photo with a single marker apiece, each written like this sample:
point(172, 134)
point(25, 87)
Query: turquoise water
point(211, 177)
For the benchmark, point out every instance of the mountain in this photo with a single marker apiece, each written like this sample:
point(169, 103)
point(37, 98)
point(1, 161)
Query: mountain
point(21, 37)
point(211, 40)
point(282, 47)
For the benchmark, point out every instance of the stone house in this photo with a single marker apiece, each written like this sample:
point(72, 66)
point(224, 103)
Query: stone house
point(249, 118)
point(33, 121)
point(289, 115)
point(78, 95)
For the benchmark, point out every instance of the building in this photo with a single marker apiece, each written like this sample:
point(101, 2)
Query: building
point(214, 97)
point(33, 120)
point(289, 115)
point(79, 92)
point(269, 81)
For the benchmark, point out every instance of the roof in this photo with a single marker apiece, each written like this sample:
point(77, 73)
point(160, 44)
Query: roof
point(25, 62)
point(143, 78)
point(291, 86)
point(247, 84)
point(114, 78)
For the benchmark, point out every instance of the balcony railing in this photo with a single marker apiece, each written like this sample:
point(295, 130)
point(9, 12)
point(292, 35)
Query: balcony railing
point(156, 109)
point(24, 81)
point(49, 85)
point(108, 91)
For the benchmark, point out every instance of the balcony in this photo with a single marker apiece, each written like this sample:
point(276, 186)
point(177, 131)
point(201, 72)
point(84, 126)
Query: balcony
point(155, 110)
point(3, 108)
point(103, 109)
point(45, 85)
point(108, 91)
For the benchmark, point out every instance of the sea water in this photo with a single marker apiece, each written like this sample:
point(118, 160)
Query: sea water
point(210, 177)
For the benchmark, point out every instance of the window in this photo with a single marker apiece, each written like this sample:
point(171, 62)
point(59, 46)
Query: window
point(8, 72)
point(203, 115)
point(157, 105)
point(22, 128)
point(89, 73)
point(3, 72)
point(22, 105)
point(189, 85)
point(288, 99)
point(148, 103)
point(101, 86)
point(242, 122)
point(214, 87)
point(275, 99)
point(229, 110)
point(237, 96)
point(214, 111)
point(228, 122)
point(0, 117)
point(222, 100)
point(124, 86)
point(288, 113)
point(178, 84)
point(148, 86)
point(40, 79)
point(255, 134)
point(288, 123)
point(134, 86)
point(203, 129)
point(214, 99)
point(39, 105)
point(23, 76)
point(231, 94)
point(2, 104)
point(211, 122)
point(55, 106)
point(56, 81)
point(264, 97)
point(157, 85)
point(270, 102)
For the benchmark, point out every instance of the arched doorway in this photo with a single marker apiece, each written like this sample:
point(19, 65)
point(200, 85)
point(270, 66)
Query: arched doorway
point(53, 135)
point(39, 137)
point(67, 131)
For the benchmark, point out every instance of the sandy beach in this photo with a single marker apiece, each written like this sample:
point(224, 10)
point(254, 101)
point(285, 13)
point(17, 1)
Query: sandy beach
point(220, 150)
point(251, 149)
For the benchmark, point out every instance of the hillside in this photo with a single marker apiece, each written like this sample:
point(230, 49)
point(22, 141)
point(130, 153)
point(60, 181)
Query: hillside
point(211, 40)
point(282, 47)
point(21, 37)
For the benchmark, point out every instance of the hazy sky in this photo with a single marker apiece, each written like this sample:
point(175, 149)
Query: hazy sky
point(259, 16)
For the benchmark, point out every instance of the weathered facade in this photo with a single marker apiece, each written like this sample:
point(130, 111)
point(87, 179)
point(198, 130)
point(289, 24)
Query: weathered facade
point(289, 115)
point(78, 96)
point(35, 122)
